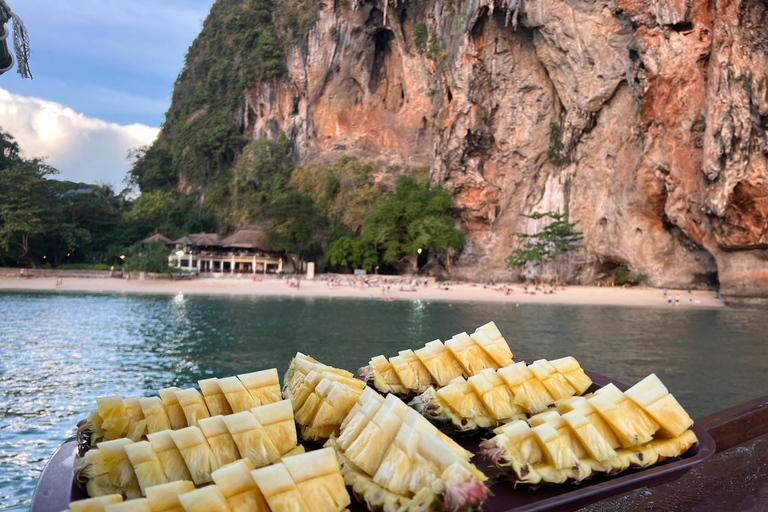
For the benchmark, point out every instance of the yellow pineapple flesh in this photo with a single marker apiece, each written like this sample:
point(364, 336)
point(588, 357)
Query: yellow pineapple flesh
point(385, 377)
point(237, 396)
point(154, 412)
point(146, 464)
point(196, 453)
point(279, 490)
point(220, 440)
point(207, 499)
point(173, 408)
point(113, 416)
point(251, 439)
point(137, 424)
point(654, 398)
point(420, 372)
point(277, 421)
point(165, 497)
point(95, 504)
point(530, 394)
point(193, 405)
point(553, 381)
point(138, 505)
point(263, 386)
point(238, 487)
point(318, 477)
point(469, 354)
point(214, 397)
point(170, 457)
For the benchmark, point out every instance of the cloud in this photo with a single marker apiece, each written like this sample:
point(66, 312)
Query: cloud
point(82, 148)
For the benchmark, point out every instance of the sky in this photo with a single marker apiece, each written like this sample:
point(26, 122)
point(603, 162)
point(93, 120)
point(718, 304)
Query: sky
point(103, 77)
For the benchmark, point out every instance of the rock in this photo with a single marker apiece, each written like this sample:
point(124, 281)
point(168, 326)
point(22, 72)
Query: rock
point(661, 107)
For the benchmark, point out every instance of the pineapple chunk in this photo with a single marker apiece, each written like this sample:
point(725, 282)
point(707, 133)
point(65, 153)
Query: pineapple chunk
point(573, 373)
point(193, 405)
point(196, 452)
point(146, 464)
point(596, 445)
point(385, 378)
point(557, 422)
point(395, 470)
point(207, 499)
point(236, 484)
point(277, 421)
point(582, 405)
point(170, 457)
point(302, 392)
point(469, 354)
point(492, 332)
point(318, 477)
point(368, 450)
point(165, 497)
point(137, 425)
point(264, 386)
point(555, 382)
point(237, 396)
point(514, 446)
point(671, 448)
point(139, 505)
point(220, 440)
point(558, 454)
point(643, 423)
point(115, 464)
point(654, 398)
point(404, 372)
point(279, 489)
point(530, 393)
point(622, 425)
point(496, 396)
point(173, 408)
point(423, 378)
point(95, 504)
point(251, 439)
point(214, 397)
point(497, 350)
point(459, 396)
point(439, 362)
point(154, 412)
point(113, 416)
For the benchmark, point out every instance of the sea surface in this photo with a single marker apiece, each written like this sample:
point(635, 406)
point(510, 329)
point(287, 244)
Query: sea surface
point(58, 352)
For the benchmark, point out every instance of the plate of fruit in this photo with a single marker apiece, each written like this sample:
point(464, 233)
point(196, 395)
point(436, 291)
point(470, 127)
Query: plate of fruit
point(454, 426)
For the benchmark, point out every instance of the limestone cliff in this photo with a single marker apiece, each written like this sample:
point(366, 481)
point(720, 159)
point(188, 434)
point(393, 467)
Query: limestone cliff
point(661, 107)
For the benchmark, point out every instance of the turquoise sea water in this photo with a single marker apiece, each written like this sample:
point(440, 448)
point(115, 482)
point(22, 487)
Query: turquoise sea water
point(58, 352)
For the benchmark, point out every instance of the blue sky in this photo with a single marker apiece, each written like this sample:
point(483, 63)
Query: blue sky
point(103, 77)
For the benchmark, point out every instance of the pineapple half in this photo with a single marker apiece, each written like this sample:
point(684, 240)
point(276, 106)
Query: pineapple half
point(588, 435)
point(437, 364)
point(174, 408)
point(494, 397)
point(262, 436)
point(322, 396)
point(393, 459)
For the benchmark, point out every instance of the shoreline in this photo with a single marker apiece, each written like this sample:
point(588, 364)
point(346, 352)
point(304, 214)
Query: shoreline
point(459, 293)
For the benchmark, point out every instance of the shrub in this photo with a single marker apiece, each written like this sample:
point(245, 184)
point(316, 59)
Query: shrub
point(624, 276)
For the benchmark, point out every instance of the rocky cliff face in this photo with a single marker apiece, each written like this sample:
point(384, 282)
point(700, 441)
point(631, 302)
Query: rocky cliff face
point(661, 107)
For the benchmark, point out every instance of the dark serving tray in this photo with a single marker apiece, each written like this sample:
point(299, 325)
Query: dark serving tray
point(56, 487)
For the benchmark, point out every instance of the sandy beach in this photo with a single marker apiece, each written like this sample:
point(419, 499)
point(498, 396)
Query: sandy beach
point(580, 295)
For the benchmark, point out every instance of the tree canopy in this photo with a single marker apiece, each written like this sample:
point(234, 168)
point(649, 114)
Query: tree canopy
point(558, 238)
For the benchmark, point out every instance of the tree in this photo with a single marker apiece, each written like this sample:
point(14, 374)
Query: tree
point(298, 224)
point(351, 252)
point(147, 258)
point(555, 240)
point(25, 206)
point(9, 151)
point(152, 169)
point(415, 217)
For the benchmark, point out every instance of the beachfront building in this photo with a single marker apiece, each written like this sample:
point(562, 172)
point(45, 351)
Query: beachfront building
point(245, 252)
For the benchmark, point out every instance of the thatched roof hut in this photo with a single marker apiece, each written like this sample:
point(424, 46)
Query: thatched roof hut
point(255, 236)
point(157, 239)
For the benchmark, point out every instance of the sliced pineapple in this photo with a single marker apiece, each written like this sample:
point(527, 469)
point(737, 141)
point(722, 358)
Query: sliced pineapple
point(196, 452)
point(95, 504)
point(385, 377)
point(220, 440)
point(207, 499)
point(530, 394)
point(237, 396)
point(238, 487)
point(471, 356)
point(573, 373)
point(263, 386)
point(165, 497)
point(556, 384)
point(496, 396)
point(113, 416)
point(110, 471)
point(251, 439)
point(155, 414)
point(146, 464)
point(514, 447)
point(654, 398)
point(173, 408)
point(214, 397)
point(193, 405)
point(460, 397)
point(582, 405)
point(137, 424)
point(170, 457)
point(279, 490)
point(675, 447)
point(497, 349)
point(277, 421)
point(139, 505)
point(318, 477)
point(642, 424)
point(422, 377)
